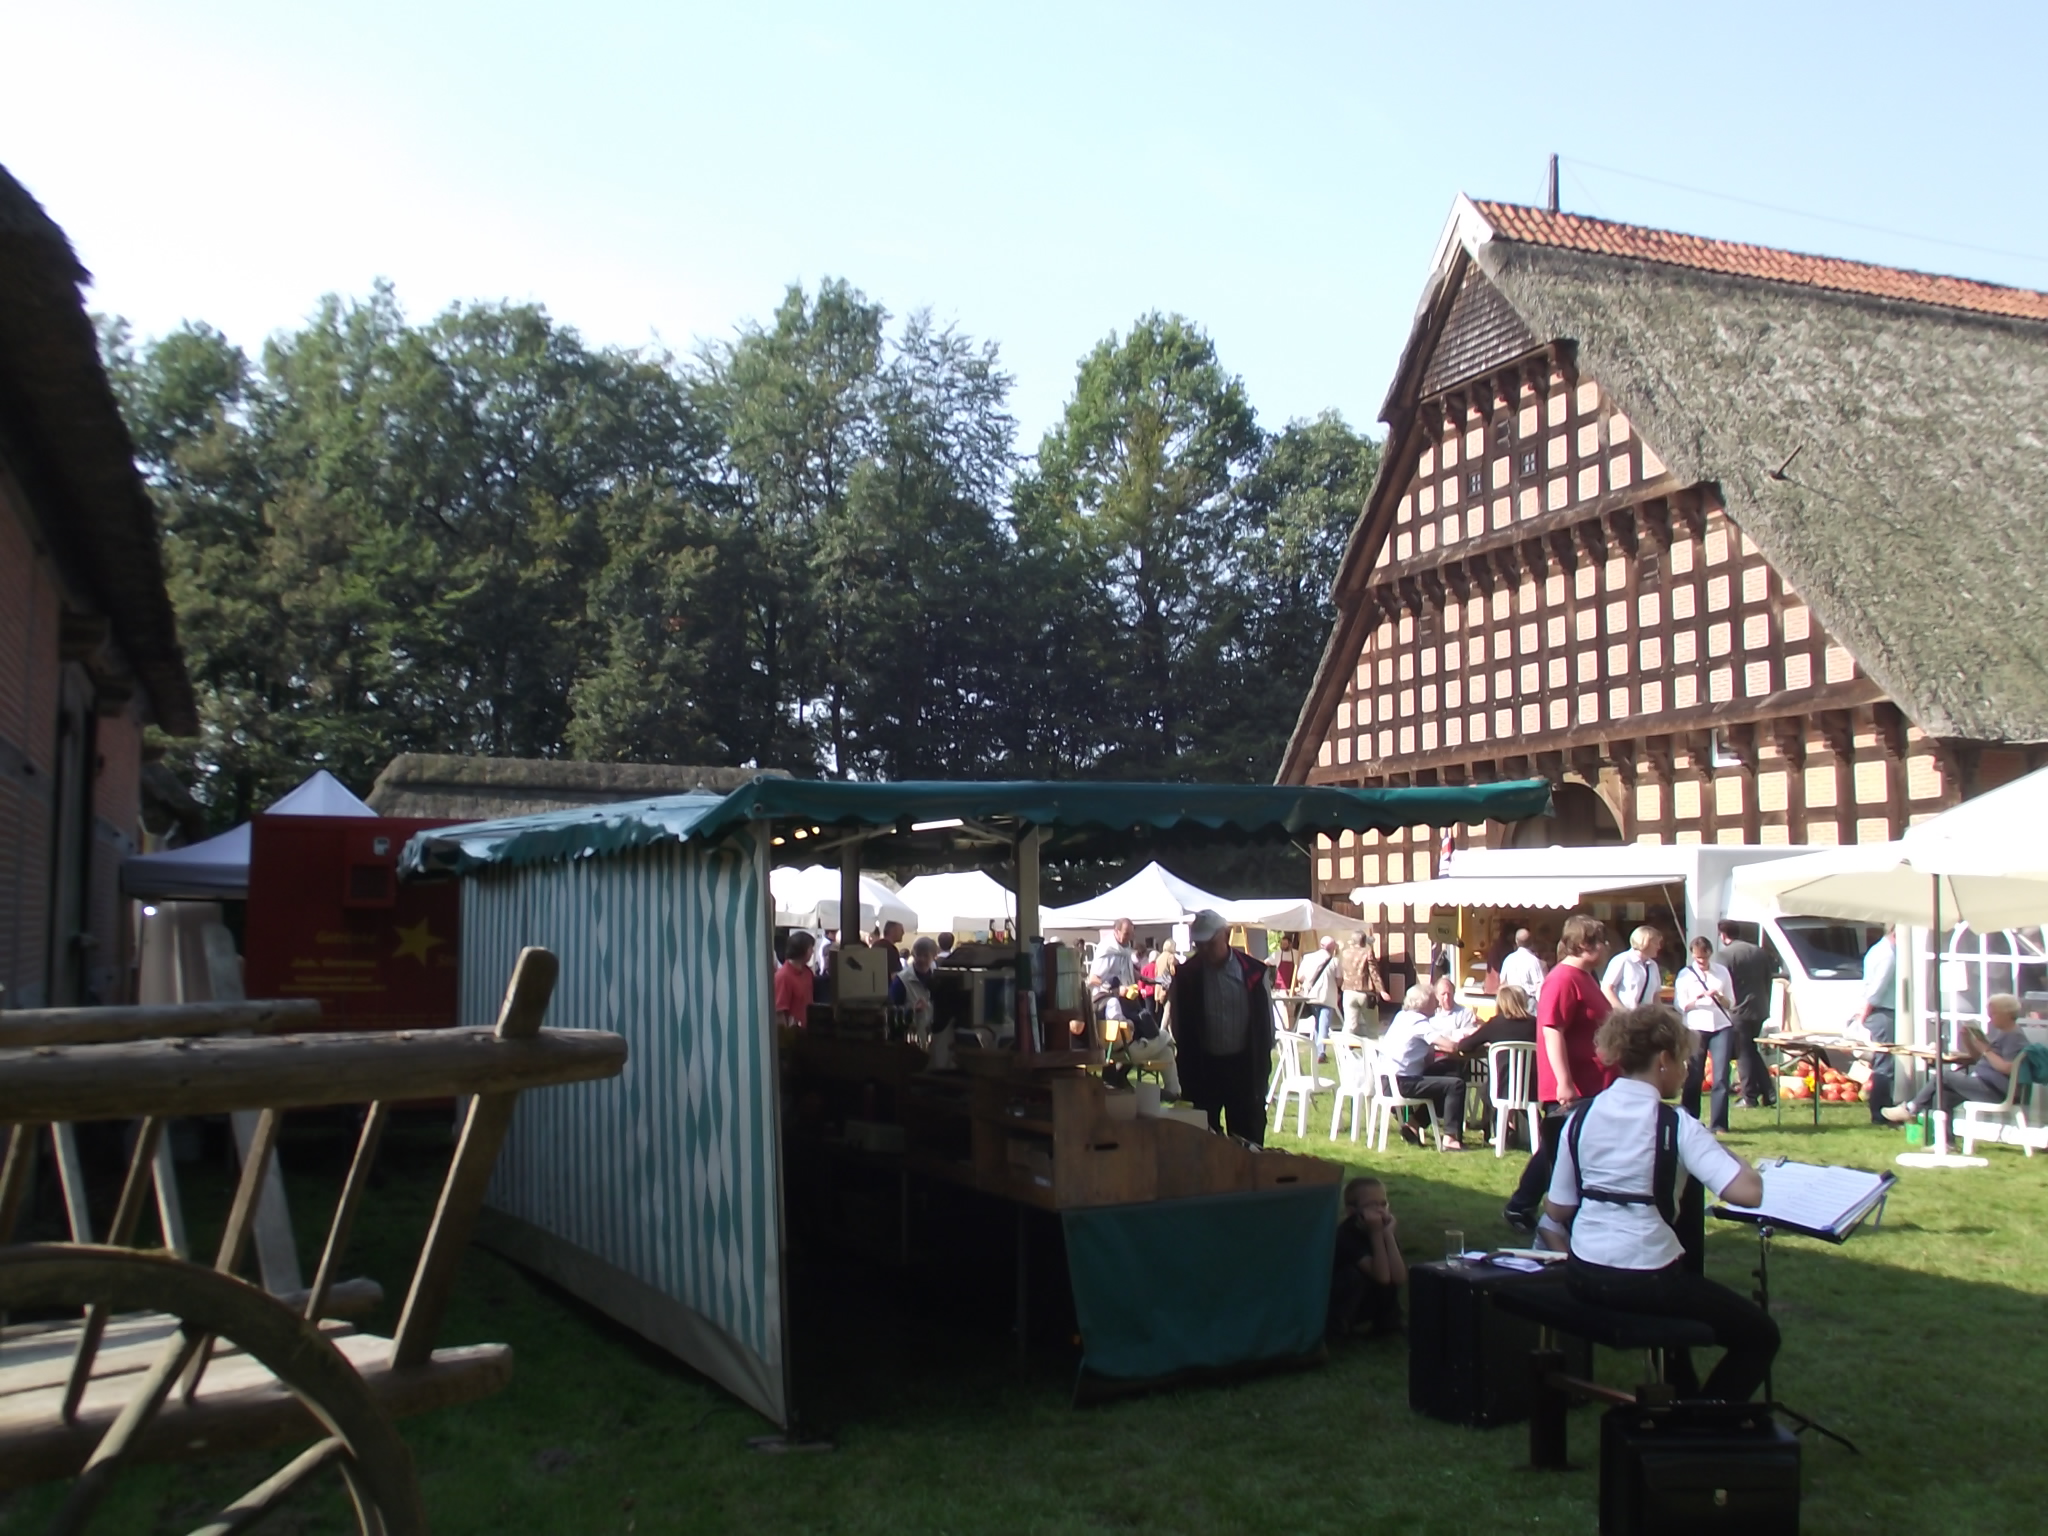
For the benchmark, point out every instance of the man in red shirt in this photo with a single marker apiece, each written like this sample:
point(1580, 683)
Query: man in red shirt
point(1568, 1014)
point(794, 981)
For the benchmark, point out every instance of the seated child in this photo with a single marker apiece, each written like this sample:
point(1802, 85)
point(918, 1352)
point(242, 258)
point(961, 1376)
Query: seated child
point(1365, 1285)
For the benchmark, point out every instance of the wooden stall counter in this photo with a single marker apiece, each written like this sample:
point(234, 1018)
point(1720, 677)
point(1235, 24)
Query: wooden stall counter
point(1051, 1137)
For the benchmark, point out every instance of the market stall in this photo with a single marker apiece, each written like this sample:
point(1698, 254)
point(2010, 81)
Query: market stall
point(673, 1210)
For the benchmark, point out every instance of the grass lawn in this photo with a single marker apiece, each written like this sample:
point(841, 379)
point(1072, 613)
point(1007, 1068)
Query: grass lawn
point(1921, 1342)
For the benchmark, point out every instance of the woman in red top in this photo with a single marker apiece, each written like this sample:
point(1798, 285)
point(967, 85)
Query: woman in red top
point(794, 981)
point(1569, 1013)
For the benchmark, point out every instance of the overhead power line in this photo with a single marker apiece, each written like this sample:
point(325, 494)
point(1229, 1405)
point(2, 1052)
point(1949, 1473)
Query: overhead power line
point(1803, 213)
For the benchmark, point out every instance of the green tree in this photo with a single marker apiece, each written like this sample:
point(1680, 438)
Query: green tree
point(1139, 479)
point(911, 572)
point(1296, 510)
point(383, 538)
point(793, 404)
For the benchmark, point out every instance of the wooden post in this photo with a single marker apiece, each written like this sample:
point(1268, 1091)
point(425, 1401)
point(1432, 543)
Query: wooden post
point(483, 1132)
point(849, 891)
point(15, 1177)
point(1027, 883)
point(849, 910)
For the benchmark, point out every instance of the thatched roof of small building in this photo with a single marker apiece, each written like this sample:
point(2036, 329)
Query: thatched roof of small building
point(62, 434)
point(1912, 518)
point(427, 784)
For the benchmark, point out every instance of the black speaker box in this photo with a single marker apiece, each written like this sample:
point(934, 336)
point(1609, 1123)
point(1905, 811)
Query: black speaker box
point(1468, 1362)
point(1696, 1468)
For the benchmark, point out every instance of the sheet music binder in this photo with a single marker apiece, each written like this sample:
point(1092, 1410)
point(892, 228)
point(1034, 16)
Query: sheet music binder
point(1813, 1199)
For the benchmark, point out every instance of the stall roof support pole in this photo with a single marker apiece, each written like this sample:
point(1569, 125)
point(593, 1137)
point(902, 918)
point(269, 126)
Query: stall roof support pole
point(849, 907)
point(1027, 883)
point(849, 892)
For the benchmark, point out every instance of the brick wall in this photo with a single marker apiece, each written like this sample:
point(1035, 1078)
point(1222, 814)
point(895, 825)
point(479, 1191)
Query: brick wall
point(28, 719)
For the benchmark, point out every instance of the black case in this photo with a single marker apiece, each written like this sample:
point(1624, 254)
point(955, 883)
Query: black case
point(1697, 1467)
point(1468, 1362)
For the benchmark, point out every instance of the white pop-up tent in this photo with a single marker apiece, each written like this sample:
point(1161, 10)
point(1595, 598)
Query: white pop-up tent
point(809, 898)
point(1284, 914)
point(959, 901)
point(218, 869)
point(1155, 897)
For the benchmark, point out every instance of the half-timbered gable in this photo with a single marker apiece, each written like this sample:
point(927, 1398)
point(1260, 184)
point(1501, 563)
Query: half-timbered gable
point(1716, 539)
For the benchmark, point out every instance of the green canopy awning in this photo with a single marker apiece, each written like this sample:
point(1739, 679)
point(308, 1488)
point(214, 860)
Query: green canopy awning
point(1079, 818)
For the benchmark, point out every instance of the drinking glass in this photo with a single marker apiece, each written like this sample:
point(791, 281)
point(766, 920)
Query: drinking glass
point(1454, 1245)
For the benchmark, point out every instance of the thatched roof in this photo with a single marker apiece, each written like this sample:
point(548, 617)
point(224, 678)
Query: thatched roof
point(430, 784)
point(62, 434)
point(1912, 519)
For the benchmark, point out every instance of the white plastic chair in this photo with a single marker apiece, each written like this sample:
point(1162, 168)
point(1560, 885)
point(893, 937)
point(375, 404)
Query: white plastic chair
point(1283, 1026)
point(1298, 1079)
point(1354, 1055)
point(2003, 1122)
point(1511, 1085)
point(1388, 1100)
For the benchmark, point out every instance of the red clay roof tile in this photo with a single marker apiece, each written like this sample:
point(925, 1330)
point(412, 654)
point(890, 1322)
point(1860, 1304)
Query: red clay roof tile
point(1571, 231)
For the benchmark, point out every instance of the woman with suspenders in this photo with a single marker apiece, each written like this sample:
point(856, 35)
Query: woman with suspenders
point(1614, 1198)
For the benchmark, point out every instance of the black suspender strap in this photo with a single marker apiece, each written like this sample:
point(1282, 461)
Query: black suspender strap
point(1664, 1175)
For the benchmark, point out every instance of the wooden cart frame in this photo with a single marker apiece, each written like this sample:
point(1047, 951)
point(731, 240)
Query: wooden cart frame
point(173, 1360)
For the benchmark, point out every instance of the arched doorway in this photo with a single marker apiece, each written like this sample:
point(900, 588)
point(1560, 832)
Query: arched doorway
point(1579, 819)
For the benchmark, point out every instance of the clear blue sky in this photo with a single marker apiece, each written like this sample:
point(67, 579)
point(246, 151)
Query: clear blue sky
point(1040, 173)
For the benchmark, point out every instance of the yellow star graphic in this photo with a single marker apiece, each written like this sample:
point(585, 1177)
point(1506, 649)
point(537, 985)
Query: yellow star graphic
point(416, 942)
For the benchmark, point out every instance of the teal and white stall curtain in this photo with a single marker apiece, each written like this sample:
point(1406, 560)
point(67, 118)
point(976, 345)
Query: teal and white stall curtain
point(667, 1176)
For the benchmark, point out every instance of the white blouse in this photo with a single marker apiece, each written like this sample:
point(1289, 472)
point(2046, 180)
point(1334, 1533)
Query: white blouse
point(1694, 994)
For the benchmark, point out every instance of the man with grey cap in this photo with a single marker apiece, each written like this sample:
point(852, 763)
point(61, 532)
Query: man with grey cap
point(1220, 1009)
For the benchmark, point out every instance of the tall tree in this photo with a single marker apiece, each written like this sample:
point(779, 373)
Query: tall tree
point(794, 406)
point(1139, 476)
point(381, 539)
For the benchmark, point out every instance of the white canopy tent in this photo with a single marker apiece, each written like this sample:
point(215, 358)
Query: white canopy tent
point(1157, 901)
point(1154, 898)
point(218, 869)
point(1984, 863)
point(959, 902)
point(809, 898)
point(1288, 915)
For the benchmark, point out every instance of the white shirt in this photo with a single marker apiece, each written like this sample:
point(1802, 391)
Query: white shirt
point(1633, 979)
point(1320, 980)
point(1115, 965)
point(1704, 1015)
point(1880, 975)
point(1523, 969)
point(1406, 1042)
point(1454, 1023)
point(1619, 1143)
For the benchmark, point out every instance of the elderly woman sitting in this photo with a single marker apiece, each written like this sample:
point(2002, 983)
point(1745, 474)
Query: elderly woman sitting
point(1410, 1042)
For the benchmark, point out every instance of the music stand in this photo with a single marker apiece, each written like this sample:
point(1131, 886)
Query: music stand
point(1808, 1200)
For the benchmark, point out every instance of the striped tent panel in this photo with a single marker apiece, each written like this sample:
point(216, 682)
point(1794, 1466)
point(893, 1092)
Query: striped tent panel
point(669, 1172)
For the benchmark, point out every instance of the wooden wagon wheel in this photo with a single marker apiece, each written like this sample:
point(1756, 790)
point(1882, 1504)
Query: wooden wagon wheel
point(361, 1443)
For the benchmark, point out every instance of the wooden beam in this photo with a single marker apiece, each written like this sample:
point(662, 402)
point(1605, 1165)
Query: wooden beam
point(483, 1133)
point(24, 1027)
point(208, 1077)
point(345, 1208)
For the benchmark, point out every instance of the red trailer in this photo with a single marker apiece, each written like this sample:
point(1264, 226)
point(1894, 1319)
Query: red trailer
point(328, 919)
